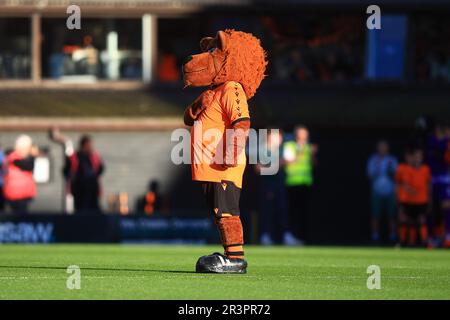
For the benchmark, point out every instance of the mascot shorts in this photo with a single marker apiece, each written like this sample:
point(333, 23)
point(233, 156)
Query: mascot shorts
point(222, 197)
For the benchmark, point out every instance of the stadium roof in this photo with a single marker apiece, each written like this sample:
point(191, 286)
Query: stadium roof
point(174, 5)
point(120, 3)
point(42, 4)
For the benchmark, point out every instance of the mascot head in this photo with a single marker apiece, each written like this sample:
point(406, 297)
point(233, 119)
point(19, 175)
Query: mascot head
point(230, 56)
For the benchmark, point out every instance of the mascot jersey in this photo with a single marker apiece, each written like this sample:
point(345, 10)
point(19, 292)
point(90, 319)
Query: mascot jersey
point(209, 136)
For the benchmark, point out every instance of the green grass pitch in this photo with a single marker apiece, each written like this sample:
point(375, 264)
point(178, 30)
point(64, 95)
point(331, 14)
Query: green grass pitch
point(166, 272)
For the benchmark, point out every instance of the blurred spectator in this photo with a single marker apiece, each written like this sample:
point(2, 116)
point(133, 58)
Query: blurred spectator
point(167, 68)
point(82, 171)
point(299, 156)
point(414, 188)
point(91, 54)
point(151, 201)
point(2, 163)
point(19, 185)
point(381, 169)
point(274, 209)
point(446, 195)
point(437, 147)
point(401, 177)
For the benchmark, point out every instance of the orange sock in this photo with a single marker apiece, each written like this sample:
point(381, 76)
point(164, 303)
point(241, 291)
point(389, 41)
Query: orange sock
point(232, 236)
point(402, 232)
point(423, 233)
point(236, 252)
point(412, 236)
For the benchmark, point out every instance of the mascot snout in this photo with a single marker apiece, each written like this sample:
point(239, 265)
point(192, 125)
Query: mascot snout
point(198, 70)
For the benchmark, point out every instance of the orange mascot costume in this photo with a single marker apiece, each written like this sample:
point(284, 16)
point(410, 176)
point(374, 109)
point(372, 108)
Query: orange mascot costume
point(232, 66)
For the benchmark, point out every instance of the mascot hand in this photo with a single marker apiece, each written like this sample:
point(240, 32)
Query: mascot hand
point(196, 108)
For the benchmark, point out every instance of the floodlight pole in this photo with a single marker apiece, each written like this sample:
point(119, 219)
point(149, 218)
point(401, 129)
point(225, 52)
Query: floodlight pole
point(36, 72)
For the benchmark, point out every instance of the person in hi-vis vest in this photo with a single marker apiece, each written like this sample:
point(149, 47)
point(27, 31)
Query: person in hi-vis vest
point(299, 156)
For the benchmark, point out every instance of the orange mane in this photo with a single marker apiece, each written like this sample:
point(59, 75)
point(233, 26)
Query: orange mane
point(245, 62)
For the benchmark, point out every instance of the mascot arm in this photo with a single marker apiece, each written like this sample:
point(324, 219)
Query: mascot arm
point(236, 147)
point(236, 108)
point(192, 112)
